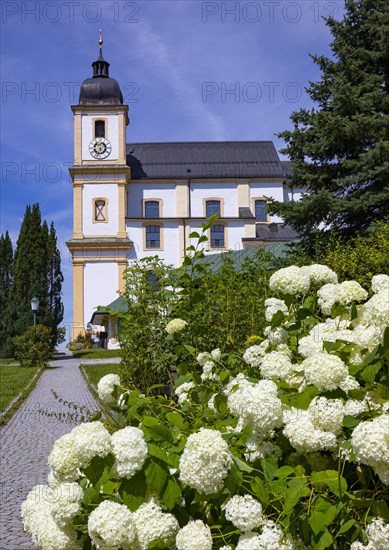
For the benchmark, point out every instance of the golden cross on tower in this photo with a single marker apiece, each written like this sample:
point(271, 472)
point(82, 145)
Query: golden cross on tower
point(101, 38)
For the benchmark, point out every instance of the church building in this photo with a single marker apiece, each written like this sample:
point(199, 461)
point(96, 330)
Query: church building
point(133, 200)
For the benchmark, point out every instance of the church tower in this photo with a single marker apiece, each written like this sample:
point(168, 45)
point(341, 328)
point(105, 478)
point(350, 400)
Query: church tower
point(100, 244)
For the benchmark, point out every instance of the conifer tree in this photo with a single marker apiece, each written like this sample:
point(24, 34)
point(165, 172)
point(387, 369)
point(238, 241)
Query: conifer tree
point(340, 149)
point(6, 258)
point(36, 271)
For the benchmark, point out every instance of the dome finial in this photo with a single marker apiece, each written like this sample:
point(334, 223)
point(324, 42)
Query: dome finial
point(101, 38)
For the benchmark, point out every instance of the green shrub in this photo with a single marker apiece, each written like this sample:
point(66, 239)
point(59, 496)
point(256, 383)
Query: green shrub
point(34, 347)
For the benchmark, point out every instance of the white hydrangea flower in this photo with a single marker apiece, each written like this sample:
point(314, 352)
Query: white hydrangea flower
point(175, 325)
point(329, 331)
point(194, 536)
point(370, 442)
point(276, 336)
point(378, 535)
point(39, 522)
point(66, 503)
point(216, 354)
point(256, 403)
point(130, 450)
point(352, 407)
point(151, 524)
point(205, 461)
point(258, 448)
point(375, 311)
point(325, 371)
point(303, 435)
point(320, 274)
point(326, 414)
point(348, 384)
point(106, 385)
point(290, 280)
point(111, 526)
point(254, 354)
point(207, 371)
point(244, 512)
point(76, 449)
point(273, 305)
point(271, 538)
point(203, 357)
point(380, 283)
point(344, 293)
point(183, 390)
point(277, 365)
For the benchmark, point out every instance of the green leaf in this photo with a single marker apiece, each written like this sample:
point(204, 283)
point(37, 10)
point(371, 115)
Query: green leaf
point(269, 467)
point(350, 421)
point(175, 419)
point(99, 467)
point(203, 239)
point(301, 400)
point(346, 526)
point(161, 433)
point(284, 471)
point(277, 319)
point(243, 466)
point(133, 491)
point(172, 493)
point(381, 509)
point(156, 476)
point(317, 522)
point(303, 313)
point(259, 490)
point(325, 541)
point(370, 372)
point(194, 235)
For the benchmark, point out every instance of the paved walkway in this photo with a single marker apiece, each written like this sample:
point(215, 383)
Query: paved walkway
point(27, 439)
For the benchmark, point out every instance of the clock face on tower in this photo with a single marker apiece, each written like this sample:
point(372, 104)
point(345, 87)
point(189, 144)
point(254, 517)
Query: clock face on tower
point(100, 148)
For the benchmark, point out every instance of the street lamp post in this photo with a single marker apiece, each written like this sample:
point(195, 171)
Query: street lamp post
point(34, 307)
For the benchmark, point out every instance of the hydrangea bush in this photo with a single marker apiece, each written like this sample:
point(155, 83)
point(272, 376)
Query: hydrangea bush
point(283, 446)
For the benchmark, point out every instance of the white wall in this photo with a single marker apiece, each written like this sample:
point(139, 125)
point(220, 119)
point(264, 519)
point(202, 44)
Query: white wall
point(235, 232)
point(112, 134)
point(225, 191)
point(294, 194)
point(139, 191)
point(170, 252)
point(104, 190)
point(268, 190)
point(100, 285)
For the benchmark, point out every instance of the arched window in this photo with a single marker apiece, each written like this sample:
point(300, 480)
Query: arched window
point(212, 207)
point(99, 128)
point(260, 211)
point(153, 236)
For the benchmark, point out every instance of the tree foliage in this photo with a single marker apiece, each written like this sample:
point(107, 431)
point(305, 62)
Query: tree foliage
point(35, 269)
point(340, 149)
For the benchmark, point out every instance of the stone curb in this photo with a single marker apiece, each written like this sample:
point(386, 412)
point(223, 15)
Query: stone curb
point(20, 395)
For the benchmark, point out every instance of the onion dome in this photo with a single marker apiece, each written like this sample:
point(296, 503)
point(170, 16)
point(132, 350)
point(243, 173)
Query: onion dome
point(101, 89)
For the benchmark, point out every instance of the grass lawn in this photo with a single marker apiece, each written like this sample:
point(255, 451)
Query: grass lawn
point(95, 372)
point(97, 353)
point(13, 379)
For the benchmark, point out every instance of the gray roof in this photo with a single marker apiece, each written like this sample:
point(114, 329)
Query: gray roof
point(275, 232)
point(204, 160)
point(287, 166)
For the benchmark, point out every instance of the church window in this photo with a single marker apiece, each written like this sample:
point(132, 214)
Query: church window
point(153, 236)
point(217, 236)
point(212, 207)
point(100, 210)
point(99, 128)
point(260, 211)
point(151, 209)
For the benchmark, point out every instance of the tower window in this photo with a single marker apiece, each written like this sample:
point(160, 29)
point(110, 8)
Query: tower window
point(100, 213)
point(99, 128)
point(260, 211)
point(151, 209)
point(153, 236)
point(212, 207)
point(217, 236)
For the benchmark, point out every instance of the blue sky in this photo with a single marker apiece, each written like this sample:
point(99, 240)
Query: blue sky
point(189, 70)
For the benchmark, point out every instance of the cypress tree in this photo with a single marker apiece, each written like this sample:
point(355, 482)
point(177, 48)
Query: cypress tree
point(340, 149)
point(6, 258)
point(36, 271)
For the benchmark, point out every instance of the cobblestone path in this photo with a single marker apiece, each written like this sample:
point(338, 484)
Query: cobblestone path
point(26, 440)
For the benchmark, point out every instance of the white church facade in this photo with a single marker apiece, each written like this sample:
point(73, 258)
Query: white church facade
point(133, 200)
